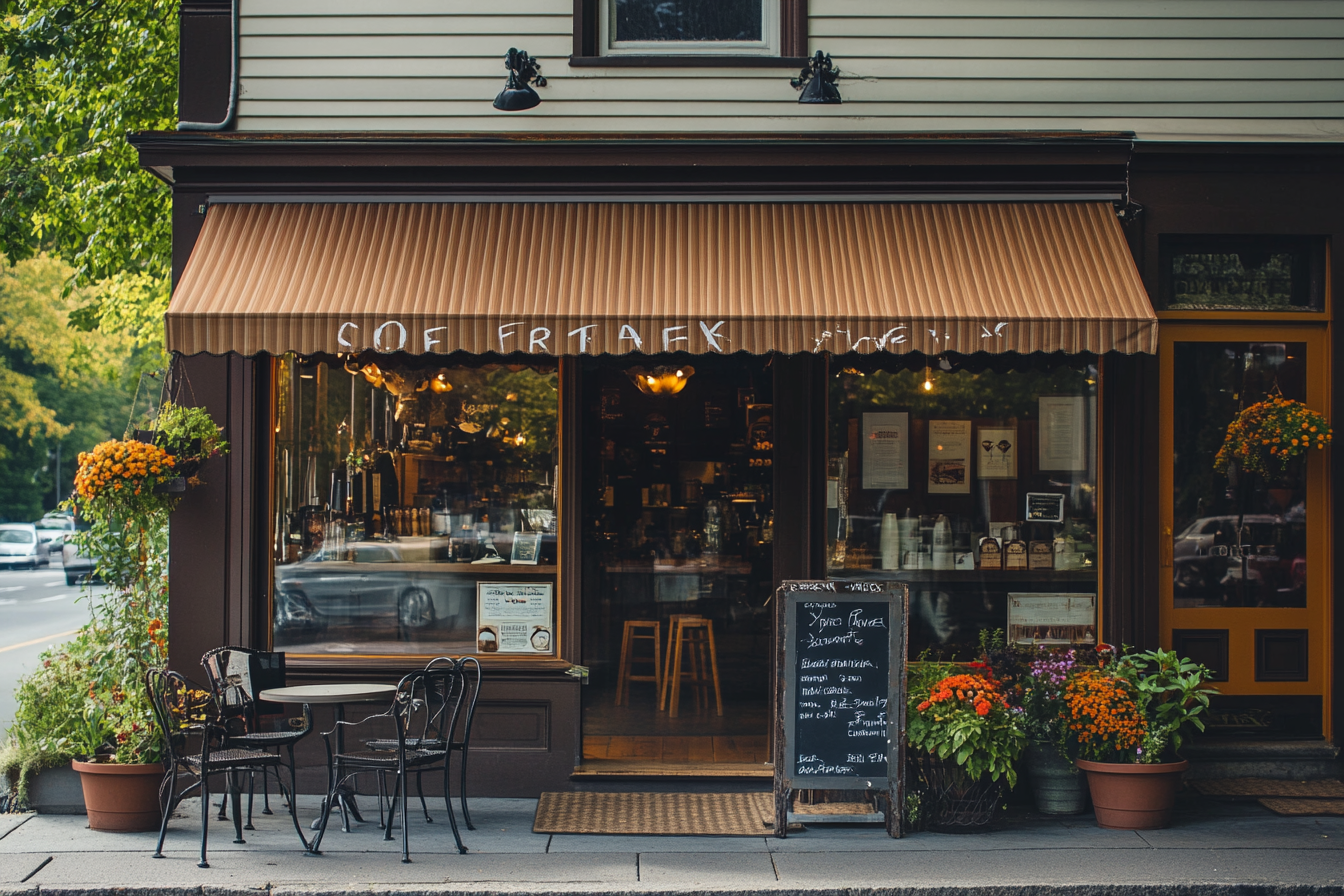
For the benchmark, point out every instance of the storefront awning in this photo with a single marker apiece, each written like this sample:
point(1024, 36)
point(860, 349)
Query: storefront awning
point(594, 277)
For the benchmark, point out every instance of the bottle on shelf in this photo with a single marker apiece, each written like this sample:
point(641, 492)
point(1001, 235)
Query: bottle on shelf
point(942, 542)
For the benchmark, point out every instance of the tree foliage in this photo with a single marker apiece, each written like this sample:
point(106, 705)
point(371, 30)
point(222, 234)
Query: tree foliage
point(75, 78)
point(57, 385)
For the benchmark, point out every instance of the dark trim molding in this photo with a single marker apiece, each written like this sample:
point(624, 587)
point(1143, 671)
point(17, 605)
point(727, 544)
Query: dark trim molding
point(792, 43)
point(670, 61)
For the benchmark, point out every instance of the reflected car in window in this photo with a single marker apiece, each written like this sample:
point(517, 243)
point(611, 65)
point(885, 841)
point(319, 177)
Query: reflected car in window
point(1263, 565)
point(377, 583)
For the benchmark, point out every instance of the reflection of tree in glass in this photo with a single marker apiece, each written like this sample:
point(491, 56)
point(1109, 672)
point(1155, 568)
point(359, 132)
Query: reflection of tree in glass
point(1232, 280)
point(699, 20)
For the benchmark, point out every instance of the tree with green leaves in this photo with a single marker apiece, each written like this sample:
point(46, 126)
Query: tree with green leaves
point(75, 78)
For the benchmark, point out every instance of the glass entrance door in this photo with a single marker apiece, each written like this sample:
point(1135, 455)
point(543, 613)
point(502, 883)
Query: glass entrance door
point(1245, 568)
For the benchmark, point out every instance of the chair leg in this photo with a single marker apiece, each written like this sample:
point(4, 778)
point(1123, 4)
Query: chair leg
point(447, 801)
point(236, 797)
point(420, 791)
point(332, 778)
point(462, 790)
point(714, 668)
point(674, 681)
point(392, 808)
point(168, 806)
point(382, 796)
point(266, 792)
point(205, 817)
point(405, 820)
point(251, 791)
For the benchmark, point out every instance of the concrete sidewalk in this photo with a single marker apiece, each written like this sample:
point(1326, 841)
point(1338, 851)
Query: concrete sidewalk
point(1228, 849)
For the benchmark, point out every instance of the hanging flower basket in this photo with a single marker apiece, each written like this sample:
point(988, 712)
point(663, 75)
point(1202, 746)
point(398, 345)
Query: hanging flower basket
point(1270, 437)
point(952, 801)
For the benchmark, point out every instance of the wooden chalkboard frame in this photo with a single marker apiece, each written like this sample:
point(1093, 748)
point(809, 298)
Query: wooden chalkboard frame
point(787, 598)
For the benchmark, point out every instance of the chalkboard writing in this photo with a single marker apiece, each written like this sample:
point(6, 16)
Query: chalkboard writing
point(843, 667)
point(841, 704)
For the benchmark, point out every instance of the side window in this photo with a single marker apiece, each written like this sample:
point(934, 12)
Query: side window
point(707, 32)
point(1241, 273)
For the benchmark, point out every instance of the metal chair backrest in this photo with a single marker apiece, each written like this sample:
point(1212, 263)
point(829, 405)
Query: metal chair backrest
point(237, 675)
point(469, 670)
point(428, 702)
point(181, 710)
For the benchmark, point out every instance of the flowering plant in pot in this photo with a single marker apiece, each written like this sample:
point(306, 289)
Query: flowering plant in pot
point(1125, 721)
point(87, 702)
point(1267, 438)
point(964, 742)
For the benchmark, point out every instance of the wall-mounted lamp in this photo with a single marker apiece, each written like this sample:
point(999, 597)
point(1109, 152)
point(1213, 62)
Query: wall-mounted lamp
point(518, 94)
point(817, 80)
point(661, 380)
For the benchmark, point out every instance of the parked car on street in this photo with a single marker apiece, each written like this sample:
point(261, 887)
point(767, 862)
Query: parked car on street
point(52, 529)
point(78, 565)
point(20, 546)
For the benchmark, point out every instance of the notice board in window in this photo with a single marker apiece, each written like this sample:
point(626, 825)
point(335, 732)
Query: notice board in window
point(840, 714)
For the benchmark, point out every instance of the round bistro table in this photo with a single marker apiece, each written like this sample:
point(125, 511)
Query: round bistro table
point(335, 696)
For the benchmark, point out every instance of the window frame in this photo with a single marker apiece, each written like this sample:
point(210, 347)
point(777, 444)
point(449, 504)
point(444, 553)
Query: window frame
point(1314, 247)
point(789, 48)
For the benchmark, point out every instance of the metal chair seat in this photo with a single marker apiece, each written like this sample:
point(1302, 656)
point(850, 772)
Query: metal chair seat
point(225, 759)
point(412, 743)
point(389, 758)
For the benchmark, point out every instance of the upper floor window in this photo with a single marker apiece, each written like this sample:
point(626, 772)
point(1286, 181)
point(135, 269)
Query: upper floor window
point(690, 32)
point(696, 26)
point(1242, 273)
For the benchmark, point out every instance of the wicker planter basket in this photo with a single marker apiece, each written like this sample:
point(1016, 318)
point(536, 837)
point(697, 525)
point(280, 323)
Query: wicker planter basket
point(951, 802)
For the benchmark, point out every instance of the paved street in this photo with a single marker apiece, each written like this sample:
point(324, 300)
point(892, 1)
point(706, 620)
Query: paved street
point(37, 609)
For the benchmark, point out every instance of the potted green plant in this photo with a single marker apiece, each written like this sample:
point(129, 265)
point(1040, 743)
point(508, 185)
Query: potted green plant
point(1125, 720)
point(87, 703)
point(964, 742)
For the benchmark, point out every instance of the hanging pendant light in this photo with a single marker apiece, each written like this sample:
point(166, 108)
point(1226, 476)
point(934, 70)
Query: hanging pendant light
point(661, 380)
point(518, 94)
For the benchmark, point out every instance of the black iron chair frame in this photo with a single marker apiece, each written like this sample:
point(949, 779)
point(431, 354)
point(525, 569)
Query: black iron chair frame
point(179, 719)
point(421, 705)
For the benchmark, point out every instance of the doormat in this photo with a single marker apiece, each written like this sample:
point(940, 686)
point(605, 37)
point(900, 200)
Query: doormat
point(719, 814)
point(1329, 788)
point(1303, 807)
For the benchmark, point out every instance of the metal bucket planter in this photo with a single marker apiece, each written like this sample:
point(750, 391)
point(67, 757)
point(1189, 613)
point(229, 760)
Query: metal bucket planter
point(122, 798)
point(954, 803)
point(1057, 786)
point(1130, 797)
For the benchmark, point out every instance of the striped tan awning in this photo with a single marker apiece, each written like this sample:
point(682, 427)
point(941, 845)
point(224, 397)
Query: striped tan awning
point(571, 278)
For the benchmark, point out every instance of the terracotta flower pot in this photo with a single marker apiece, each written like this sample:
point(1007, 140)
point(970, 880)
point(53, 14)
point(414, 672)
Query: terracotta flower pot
point(121, 798)
point(1133, 797)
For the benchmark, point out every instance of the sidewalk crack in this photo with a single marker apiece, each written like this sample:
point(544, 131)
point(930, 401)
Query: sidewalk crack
point(637, 878)
point(17, 826)
point(773, 866)
point(33, 873)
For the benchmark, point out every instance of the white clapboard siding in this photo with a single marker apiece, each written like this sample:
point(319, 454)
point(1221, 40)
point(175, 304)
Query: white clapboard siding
point(1167, 69)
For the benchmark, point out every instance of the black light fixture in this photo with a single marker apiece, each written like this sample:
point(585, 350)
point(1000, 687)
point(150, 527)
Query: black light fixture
point(817, 80)
point(518, 94)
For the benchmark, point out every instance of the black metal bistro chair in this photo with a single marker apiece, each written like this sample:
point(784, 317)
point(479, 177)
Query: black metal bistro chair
point(237, 675)
point(426, 702)
point(197, 743)
point(456, 733)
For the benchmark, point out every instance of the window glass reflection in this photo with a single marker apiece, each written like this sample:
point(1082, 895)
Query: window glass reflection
point(402, 485)
point(974, 480)
point(1238, 540)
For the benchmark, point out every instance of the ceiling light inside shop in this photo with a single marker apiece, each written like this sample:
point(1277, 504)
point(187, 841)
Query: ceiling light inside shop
point(661, 380)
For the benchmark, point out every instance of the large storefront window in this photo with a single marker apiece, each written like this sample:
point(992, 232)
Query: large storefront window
point(414, 507)
point(975, 482)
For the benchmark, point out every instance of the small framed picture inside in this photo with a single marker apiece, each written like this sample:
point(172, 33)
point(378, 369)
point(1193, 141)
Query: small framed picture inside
point(526, 548)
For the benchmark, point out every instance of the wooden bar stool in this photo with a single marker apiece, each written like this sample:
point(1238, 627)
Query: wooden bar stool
point(697, 634)
point(639, 630)
point(667, 656)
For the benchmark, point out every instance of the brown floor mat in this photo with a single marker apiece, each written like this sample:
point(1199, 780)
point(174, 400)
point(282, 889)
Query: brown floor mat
point(1303, 807)
point(1328, 788)
point(719, 814)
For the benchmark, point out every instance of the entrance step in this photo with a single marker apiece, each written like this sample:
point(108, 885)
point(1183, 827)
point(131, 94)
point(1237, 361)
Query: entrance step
point(1298, 760)
point(627, 774)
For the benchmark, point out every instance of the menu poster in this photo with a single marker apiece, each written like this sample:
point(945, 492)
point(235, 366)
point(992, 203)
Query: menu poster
point(514, 617)
point(1052, 618)
point(1045, 507)
point(1063, 432)
point(886, 450)
point(949, 457)
point(998, 452)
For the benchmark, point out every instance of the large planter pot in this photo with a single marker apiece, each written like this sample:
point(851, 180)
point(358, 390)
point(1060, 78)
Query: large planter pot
point(1057, 786)
point(954, 803)
point(1133, 797)
point(121, 798)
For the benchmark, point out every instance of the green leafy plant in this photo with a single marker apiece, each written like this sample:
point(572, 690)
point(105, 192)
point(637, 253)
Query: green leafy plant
point(1135, 707)
point(189, 434)
point(966, 718)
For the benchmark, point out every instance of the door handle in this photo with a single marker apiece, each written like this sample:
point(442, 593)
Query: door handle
point(1165, 549)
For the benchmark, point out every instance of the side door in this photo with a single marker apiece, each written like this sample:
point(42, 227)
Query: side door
point(1246, 572)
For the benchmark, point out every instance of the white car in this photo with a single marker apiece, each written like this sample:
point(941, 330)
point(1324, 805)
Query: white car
point(20, 546)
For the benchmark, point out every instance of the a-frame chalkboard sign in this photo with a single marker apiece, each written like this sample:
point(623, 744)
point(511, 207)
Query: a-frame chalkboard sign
point(841, 654)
